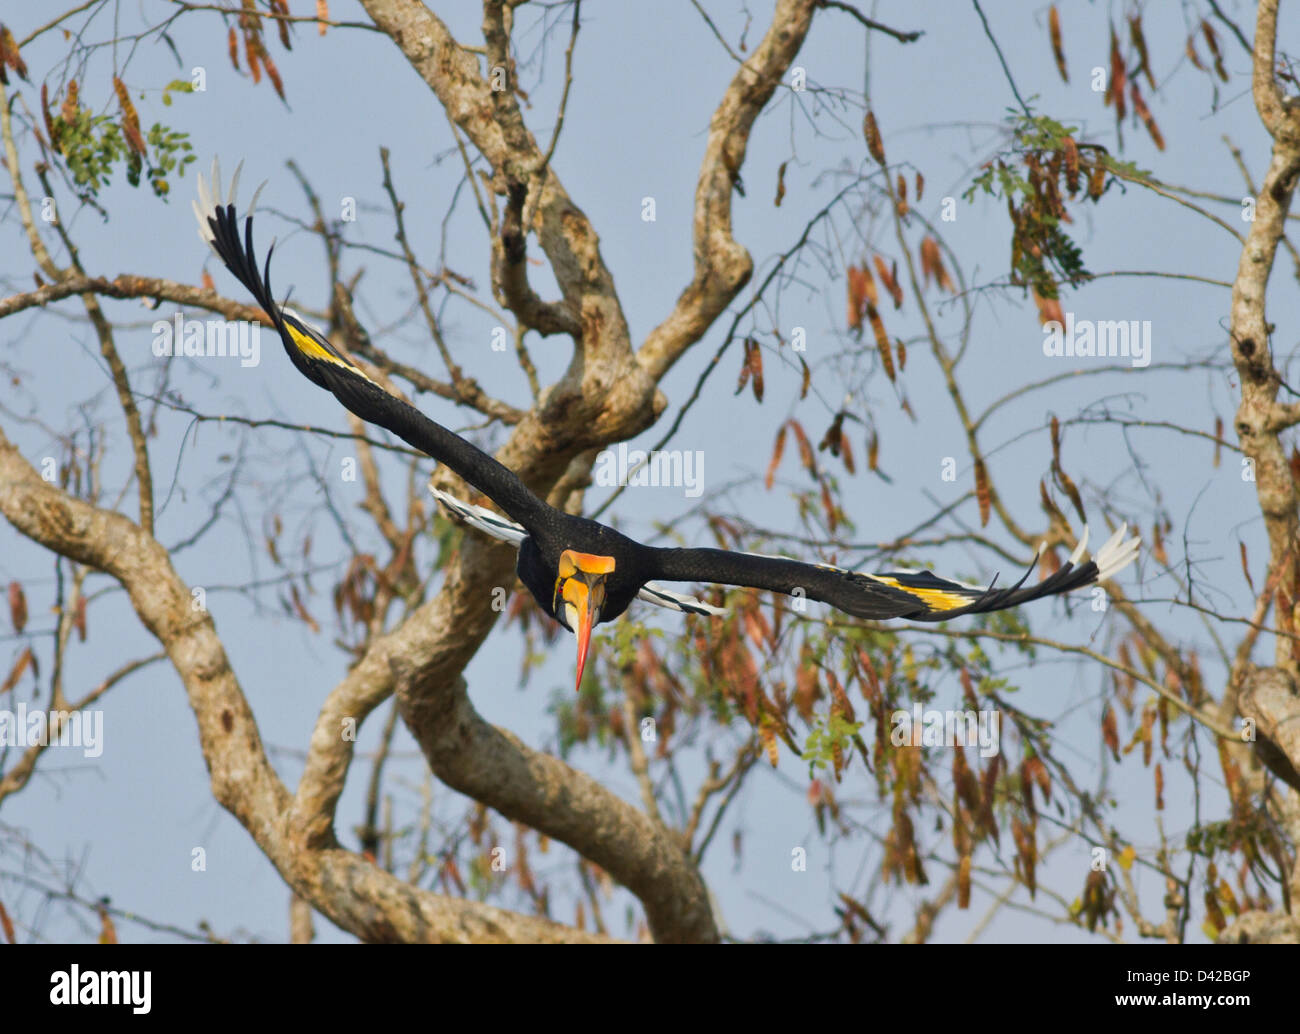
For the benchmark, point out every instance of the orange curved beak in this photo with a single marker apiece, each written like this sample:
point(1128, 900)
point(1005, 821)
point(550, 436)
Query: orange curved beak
point(583, 631)
point(580, 584)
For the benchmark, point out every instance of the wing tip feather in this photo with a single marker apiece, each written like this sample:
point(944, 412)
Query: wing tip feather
point(1116, 554)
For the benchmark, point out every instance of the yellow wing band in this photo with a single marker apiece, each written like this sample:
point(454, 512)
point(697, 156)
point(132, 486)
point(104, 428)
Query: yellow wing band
point(935, 599)
point(307, 343)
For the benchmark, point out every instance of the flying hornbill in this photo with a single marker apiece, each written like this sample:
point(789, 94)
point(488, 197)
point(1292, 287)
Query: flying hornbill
point(582, 572)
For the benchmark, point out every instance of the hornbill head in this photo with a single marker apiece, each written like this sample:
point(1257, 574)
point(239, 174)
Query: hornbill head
point(579, 596)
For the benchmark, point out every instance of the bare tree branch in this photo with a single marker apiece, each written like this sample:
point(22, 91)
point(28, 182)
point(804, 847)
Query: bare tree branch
point(1259, 419)
point(722, 266)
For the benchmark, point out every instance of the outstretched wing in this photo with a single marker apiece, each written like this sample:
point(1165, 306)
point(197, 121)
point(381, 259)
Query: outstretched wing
point(917, 595)
point(322, 364)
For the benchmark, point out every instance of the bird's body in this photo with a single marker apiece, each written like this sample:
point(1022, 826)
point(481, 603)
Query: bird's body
point(539, 558)
point(582, 572)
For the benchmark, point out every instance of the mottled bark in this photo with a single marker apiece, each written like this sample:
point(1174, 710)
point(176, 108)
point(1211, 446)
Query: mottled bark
point(1268, 695)
point(1260, 420)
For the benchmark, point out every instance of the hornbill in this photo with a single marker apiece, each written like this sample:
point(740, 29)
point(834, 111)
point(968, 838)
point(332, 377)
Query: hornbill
point(580, 571)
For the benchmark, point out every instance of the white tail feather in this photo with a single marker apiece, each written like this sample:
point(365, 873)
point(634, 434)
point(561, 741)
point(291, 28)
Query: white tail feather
point(484, 520)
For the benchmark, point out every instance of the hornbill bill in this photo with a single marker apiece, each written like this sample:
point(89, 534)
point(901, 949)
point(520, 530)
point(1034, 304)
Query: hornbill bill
point(582, 572)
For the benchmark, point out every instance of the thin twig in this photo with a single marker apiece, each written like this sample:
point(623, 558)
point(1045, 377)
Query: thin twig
point(1002, 59)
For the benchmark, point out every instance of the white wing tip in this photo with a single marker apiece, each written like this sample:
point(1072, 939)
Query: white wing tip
point(201, 214)
point(1117, 553)
point(210, 198)
point(1080, 551)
